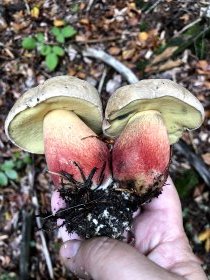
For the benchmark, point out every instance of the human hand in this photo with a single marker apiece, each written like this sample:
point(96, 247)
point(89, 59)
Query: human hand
point(161, 248)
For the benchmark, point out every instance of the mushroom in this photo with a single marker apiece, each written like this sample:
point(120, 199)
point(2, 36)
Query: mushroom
point(61, 119)
point(146, 118)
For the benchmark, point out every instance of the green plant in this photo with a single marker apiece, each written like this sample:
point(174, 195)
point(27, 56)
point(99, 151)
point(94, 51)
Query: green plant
point(186, 182)
point(8, 168)
point(63, 33)
point(8, 276)
point(51, 53)
point(7, 172)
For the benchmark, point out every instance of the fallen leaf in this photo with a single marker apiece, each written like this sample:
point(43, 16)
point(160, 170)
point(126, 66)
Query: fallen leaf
point(35, 12)
point(202, 64)
point(170, 64)
point(114, 50)
point(205, 236)
point(19, 26)
point(81, 38)
point(58, 22)
point(7, 216)
point(167, 53)
point(81, 75)
point(82, 6)
point(72, 72)
point(185, 18)
point(132, 5)
point(207, 245)
point(128, 54)
point(143, 36)
point(3, 24)
point(207, 84)
point(84, 21)
point(206, 158)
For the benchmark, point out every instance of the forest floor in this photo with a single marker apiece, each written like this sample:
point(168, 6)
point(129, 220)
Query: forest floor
point(155, 39)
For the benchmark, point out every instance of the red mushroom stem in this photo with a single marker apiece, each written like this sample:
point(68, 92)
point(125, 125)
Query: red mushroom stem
point(68, 140)
point(141, 154)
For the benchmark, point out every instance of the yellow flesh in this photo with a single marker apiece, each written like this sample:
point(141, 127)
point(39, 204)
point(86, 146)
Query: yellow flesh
point(177, 116)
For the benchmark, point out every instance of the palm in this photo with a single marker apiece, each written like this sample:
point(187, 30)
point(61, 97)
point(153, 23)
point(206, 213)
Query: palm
point(159, 235)
point(159, 231)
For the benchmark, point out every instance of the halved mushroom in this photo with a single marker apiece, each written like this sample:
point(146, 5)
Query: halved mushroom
point(146, 118)
point(61, 118)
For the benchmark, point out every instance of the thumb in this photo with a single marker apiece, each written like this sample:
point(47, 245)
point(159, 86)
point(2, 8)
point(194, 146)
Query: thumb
point(103, 258)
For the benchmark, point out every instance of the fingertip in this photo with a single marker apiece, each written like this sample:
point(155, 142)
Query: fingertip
point(57, 202)
point(69, 250)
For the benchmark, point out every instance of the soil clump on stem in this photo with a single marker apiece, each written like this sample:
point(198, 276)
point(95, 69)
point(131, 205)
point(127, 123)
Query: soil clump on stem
point(96, 211)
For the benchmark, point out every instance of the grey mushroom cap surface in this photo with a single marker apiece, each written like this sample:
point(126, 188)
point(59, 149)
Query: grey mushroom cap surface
point(24, 123)
point(180, 109)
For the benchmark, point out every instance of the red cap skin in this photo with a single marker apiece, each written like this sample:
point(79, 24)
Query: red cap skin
point(67, 139)
point(141, 154)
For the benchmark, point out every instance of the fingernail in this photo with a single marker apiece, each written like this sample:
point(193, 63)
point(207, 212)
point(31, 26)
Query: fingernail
point(70, 249)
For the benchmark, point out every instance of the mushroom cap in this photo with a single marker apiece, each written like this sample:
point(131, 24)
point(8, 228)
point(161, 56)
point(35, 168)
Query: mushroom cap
point(24, 123)
point(179, 108)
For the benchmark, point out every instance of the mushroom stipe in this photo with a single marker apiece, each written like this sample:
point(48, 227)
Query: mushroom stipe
point(100, 183)
point(91, 211)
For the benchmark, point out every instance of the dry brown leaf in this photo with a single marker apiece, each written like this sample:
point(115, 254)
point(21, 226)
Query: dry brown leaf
point(205, 236)
point(203, 64)
point(3, 24)
point(167, 53)
point(114, 50)
point(72, 72)
point(203, 67)
point(35, 12)
point(82, 6)
point(207, 245)
point(9, 53)
point(85, 21)
point(81, 75)
point(81, 38)
point(185, 18)
point(207, 84)
point(19, 26)
point(170, 64)
point(132, 5)
point(143, 36)
point(7, 216)
point(128, 54)
point(58, 22)
point(206, 158)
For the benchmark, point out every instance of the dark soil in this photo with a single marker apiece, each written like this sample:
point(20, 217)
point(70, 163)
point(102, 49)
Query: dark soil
point(97, 211)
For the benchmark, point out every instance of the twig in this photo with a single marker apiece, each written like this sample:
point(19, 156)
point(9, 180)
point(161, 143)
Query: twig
point(101, 83)
point(39, 225)
point(153, 6)
point(99, 40)
point(25, 244)
point(27, 7)
point(44, 243)
point(187, 27)
point(193, 159)
point(116, 64)
point(89, 5)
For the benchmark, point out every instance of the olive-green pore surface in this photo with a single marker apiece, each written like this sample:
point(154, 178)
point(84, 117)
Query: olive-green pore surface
point(179, 108)
point(24, 123)
point(26, 129)
point(176, 115)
